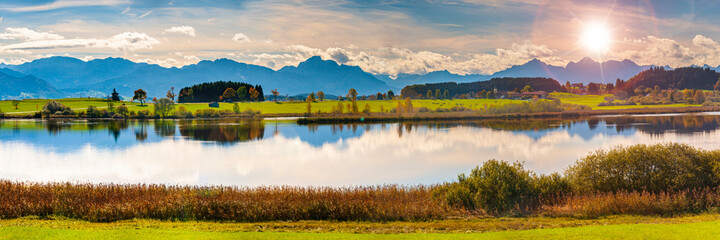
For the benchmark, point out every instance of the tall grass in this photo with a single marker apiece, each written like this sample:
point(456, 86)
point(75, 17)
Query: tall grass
point(110, 202)
point(636, 203)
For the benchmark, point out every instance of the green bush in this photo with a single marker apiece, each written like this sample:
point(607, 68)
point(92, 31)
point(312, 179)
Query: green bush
point(653, 168)
point(53, 107)
point(497, 187)
point(207, 113)
point(143, 114)
point(93, 112)
point(122, 110)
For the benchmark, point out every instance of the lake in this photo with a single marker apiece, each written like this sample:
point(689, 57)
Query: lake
point(280, 152)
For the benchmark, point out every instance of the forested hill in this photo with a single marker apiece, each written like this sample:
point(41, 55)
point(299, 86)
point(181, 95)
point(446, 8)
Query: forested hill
point(680, 78)
point(501, 84)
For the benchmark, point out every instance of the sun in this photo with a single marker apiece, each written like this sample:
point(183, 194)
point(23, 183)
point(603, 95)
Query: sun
point(596, 37)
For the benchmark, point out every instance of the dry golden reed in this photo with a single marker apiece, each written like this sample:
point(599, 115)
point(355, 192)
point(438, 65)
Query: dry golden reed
point(112, 202)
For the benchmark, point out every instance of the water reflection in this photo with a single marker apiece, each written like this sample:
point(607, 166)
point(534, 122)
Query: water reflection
point(255, 152)
point(222, 132)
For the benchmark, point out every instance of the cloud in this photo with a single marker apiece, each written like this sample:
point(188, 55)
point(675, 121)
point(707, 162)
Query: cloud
point(28, 35)
point(663, 51)
point(242, 38)
point(127, 9)
point(187, 30)
point(67, 3)
point(145, 14)
point(124, 41)
point(393, 61)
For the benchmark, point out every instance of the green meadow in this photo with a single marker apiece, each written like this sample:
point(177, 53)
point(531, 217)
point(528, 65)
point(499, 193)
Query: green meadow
point(593, 101)
point(620, 227)
point(268, 107)
point(271, 107)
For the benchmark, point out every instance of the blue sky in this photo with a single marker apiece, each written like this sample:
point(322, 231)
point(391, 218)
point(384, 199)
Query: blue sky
point(382, 37)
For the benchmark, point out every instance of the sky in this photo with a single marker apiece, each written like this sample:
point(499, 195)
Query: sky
point(382, 37)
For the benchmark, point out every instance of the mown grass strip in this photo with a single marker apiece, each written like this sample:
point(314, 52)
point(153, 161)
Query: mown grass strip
point(621, 227)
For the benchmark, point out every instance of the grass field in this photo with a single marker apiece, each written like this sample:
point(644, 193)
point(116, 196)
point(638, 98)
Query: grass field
point(79, 104)
point(621, 227)
point(593, 101)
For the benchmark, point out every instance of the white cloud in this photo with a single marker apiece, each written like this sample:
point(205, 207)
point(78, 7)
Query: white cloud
point(187, 30)
point(67, 3)
point(124, 41)
point(664, 51)
point(242, 38)
point(127, 9)
point(393, 61)
point(145, 14)
point(29, 35)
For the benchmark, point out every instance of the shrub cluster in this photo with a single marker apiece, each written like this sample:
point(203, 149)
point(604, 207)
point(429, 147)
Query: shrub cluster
point(56, 108)
point(501, 188)
point(640, 179)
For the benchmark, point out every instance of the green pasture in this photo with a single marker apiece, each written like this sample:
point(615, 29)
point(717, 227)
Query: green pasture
point(707, 227)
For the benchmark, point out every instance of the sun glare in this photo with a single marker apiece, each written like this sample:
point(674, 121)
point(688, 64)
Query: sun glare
point(596, 38)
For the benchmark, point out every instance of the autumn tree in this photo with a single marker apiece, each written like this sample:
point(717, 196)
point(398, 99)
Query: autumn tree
point(429, 94)
point(275, 94)
point(352, 94)
point(446, 94)
point(229, 94)
point(699, 97)
point(320, 96)
point(688, 96)
point(15, 103)
point(409, 105)
point(311, 97)
point(254, 94)
point(390, 95)
point(140, 95)
point(170, 94)
point(438, 94)
point(340, 107)
point(399, 108)
point(366, 109)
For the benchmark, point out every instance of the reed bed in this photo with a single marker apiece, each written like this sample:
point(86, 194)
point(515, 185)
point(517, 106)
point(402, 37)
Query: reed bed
point(636, 203)
point(112, 202)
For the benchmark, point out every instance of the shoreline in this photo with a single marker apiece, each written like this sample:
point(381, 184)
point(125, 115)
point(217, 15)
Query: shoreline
point(303, 119)
point(512, 116)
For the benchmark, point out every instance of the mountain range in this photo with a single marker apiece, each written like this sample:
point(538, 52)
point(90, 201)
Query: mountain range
point(55, 77)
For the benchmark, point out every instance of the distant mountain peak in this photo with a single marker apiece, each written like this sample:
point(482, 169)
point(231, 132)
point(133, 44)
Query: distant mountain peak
point(587, 60)
point(317, 62)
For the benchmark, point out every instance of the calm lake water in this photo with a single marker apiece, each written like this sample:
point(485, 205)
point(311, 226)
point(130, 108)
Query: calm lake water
point(277, 152)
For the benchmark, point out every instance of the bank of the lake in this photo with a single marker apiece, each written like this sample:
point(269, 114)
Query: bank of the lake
point(458, 116)
point(378, 110)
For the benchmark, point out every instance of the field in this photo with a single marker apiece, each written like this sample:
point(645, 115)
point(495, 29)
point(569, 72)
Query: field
point(27, 107)
point(80, 104)
point(593, 101)
point(621, 227)
point(77, 104)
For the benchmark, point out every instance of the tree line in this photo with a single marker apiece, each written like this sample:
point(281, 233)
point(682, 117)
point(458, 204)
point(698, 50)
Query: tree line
point(452, 89)
point(221, 91)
